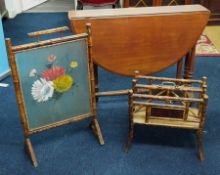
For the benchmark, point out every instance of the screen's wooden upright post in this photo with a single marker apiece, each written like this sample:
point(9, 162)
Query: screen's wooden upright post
point(95, 124)
point(27, 142)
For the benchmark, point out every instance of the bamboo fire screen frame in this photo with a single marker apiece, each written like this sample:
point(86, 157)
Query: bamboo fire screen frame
point(12, 50)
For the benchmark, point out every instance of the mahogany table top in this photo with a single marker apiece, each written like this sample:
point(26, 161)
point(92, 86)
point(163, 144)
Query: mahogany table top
point(147, 39)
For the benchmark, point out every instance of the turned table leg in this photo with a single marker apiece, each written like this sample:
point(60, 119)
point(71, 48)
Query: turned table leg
point(189, 64)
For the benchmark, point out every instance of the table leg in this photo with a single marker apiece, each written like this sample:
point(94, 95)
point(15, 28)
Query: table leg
point(189, 64)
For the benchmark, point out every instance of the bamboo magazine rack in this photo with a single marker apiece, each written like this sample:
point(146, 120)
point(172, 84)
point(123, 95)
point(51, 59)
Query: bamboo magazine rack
point(168, 102)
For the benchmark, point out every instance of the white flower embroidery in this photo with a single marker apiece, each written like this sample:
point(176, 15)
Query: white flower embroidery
point(32, 73)
point(42, 90)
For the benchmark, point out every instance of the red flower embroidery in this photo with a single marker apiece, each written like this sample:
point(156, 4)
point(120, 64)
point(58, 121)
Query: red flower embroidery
point(52, 73)
point(51, 58)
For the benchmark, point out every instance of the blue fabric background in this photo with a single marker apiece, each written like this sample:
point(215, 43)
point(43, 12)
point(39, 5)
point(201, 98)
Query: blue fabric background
point(73, 102)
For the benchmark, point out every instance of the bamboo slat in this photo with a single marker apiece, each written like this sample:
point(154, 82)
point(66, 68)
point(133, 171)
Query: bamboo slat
point(168, 79)
point(48, 31)
point(161, 106)
point(171, 88)
point(112, 93)
point(192, 123)
point(60, 123)
point(166, 98)
point(48, 42)
point(156, 121)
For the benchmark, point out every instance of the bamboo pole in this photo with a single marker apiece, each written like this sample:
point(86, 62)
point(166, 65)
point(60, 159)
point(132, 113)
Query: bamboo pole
point(17, 86)
point(48, 31)
point(112, 93)
point(92, 80)
point(48, 42)
point(166, 98)
point(168, 79)
point(20, 102)
point(170, 88)
point(162, 106)
point(202, 119)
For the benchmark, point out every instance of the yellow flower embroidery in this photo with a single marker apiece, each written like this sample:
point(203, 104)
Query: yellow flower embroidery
point(63, 83)
point(73, 64)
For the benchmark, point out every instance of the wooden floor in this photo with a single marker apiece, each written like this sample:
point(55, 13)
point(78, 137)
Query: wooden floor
point(57, 6)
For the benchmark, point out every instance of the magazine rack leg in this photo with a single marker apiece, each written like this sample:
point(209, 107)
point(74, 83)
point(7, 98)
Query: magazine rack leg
point(131, 124)
point(130, 136)
point(30, 151)
point(200, 152)
point(97, 130)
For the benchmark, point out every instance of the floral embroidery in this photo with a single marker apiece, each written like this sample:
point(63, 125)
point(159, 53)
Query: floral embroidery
point(63, 83)
point(51, 58)
point(73, 64)
point(53, 80)
point(42, 90)
point(53, 73)
point(32, 73)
